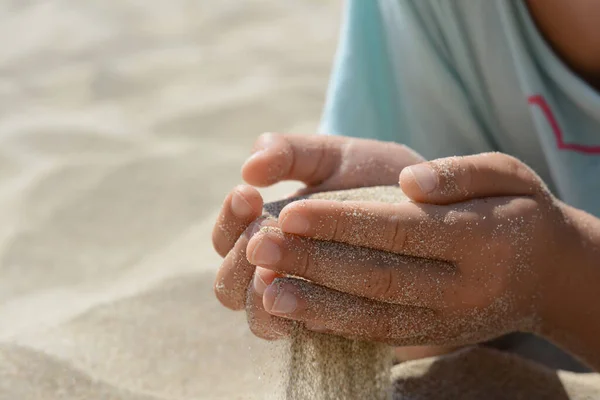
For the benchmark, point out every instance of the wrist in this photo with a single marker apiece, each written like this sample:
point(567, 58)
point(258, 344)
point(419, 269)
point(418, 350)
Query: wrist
point(570, 315)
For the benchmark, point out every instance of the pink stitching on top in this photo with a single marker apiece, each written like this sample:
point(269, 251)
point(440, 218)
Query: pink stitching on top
point(539, 101)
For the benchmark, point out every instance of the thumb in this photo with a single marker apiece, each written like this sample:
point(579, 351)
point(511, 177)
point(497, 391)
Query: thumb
point(307, 158)
point(325, 162)
point(458, 179)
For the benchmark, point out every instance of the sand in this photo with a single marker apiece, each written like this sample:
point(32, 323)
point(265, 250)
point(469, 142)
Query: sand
point(123, 124)
point(479, 373)
point(327, 367)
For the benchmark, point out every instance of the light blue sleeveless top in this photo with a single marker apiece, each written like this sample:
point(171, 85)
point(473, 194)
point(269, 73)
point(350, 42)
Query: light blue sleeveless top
point(461, 77)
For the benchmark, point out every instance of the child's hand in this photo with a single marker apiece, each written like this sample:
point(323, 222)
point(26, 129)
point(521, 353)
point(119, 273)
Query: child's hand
point(323, 163)
point(502, 241)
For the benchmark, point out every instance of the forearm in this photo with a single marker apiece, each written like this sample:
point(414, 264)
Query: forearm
point(573, 316)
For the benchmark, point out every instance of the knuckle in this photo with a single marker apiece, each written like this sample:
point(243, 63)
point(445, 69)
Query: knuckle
point(315, 177)
point(306, 264)
point(396, 235)
point(517, 168)
point(469, 174)
point(338, 231)
point(466, 177)
point(348, 147)
point(513, 164)
point(520, 170)
point(526, 174)
point(381, 283)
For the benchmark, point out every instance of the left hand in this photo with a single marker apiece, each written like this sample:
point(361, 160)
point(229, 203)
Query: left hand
point(323, 163)
point(498, 238)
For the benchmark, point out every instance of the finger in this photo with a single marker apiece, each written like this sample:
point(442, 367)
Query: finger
point(242, 206)
point(420, 230)
point(323, 309)
point(261, 323)
point(310, 159)
point(355, 270)
point(235, 274)
point(329, 162)
point(458, 179)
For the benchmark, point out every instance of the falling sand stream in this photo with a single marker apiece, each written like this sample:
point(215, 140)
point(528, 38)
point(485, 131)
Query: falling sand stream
point(321, 366)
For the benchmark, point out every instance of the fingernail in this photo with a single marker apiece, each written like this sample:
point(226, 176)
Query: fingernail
point(295, 223)
point(239, 206)
point(425, 177)
point(259, 284)
point(265, 253)
point(285, 303)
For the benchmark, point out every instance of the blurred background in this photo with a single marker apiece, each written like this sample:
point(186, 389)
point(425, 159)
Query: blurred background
point(123, 124)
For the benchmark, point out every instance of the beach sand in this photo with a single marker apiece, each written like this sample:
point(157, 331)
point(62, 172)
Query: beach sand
point(123, 124)
point(478, 373)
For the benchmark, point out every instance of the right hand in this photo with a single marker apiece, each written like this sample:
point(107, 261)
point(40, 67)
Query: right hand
point(323, 163)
